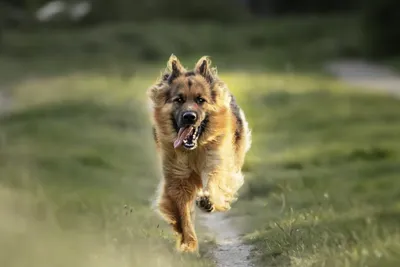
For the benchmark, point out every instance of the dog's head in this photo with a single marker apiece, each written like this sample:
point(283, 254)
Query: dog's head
point(186, 102)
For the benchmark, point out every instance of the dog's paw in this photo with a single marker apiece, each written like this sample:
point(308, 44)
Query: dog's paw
point(204, 203)
point(190, 246)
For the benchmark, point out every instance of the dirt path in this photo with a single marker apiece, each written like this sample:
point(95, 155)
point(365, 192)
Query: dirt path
point(230, 251)
point(5, 102)
point(366, 75)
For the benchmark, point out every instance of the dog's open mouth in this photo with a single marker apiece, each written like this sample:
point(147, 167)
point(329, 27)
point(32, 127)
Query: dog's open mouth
point(188, 137)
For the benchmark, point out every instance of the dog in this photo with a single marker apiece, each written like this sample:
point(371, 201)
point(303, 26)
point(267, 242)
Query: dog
point(202, 137)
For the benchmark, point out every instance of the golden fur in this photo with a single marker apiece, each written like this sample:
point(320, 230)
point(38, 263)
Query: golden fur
point(208, 175)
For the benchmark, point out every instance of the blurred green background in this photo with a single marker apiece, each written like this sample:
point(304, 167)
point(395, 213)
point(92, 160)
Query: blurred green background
point(78, 167)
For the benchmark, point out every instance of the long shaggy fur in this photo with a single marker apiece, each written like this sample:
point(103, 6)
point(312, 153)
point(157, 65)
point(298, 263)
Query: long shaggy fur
point(208, 176)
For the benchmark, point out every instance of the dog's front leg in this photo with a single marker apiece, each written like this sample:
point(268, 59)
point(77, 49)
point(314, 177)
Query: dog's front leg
point(175, 205)
point(215, 195)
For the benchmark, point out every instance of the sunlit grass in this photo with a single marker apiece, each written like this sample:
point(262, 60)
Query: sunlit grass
point(78, 172)
point(322, 185)
point(322, 170)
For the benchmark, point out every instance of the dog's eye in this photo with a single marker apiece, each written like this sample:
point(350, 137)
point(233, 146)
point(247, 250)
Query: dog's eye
point(200, 100)
point(178, 100)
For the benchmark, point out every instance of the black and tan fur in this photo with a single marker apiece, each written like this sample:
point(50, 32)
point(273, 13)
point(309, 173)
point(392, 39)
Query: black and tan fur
point(208, 174)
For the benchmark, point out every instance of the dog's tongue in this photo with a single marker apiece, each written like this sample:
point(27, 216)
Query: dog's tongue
point(182, 134)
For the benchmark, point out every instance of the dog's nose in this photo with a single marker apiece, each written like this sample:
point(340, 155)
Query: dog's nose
point(189, 117)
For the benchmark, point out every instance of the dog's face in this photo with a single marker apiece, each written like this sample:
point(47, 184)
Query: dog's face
point(185, 101)
point(189, 100)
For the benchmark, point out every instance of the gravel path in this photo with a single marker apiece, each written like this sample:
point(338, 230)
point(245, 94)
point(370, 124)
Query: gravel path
point(366, 75)
point(5, 102)
point(230, 251)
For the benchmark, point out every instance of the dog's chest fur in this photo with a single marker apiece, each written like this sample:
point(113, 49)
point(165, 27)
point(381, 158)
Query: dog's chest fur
point(194, 160)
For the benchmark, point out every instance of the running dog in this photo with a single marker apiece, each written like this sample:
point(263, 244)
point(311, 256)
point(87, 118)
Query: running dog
point(202, 137)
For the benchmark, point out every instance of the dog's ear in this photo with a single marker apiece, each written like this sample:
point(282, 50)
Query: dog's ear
point(203, 67)
point(220, 94)
point(175, 68)
point(157, 94)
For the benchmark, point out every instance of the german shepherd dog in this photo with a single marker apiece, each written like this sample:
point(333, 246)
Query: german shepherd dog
point(202, 137)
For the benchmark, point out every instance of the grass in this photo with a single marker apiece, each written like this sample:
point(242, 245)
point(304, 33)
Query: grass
point(77, 163)
point(78, 172)
point(323, 187)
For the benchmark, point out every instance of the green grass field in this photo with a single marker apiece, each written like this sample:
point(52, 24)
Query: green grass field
point(77, 175)
point(77, 161)
point(323, 176)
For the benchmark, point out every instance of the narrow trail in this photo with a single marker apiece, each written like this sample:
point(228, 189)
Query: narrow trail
point(230, 250)
point(368, 76)
point(5, 102)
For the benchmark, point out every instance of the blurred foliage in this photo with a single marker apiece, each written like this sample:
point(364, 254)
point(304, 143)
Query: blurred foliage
point(301, 7)
point(381, 28)
point(274, 43)
point(379, 19)
point(219, 10)
point(126, 10)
